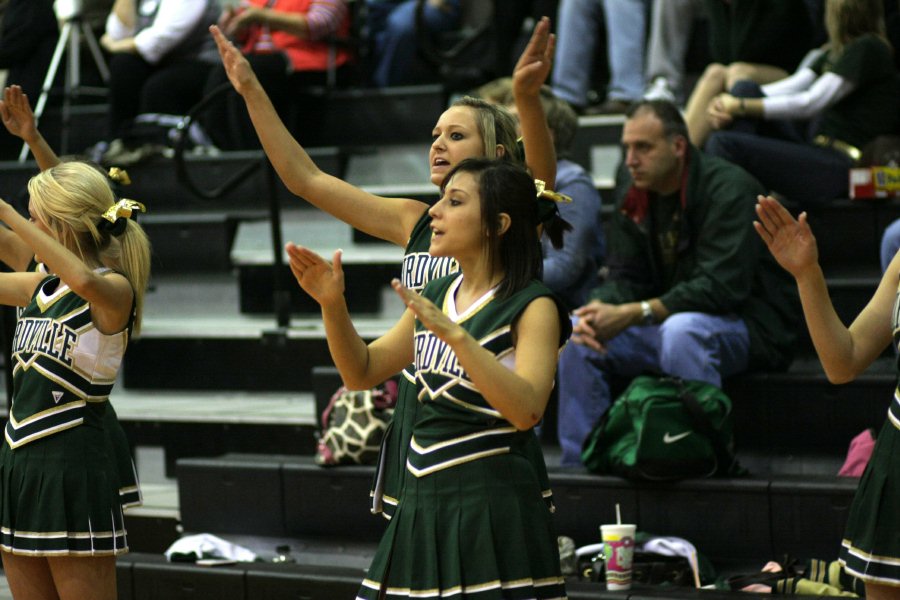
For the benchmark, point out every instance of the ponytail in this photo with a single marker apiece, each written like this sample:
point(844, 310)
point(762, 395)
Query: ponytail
point(132, 259)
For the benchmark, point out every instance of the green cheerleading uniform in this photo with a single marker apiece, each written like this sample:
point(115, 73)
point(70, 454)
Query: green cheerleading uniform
point(870, 549)
point(474, 521)
point(59, 475)
point(418, 268)
point(129, 485)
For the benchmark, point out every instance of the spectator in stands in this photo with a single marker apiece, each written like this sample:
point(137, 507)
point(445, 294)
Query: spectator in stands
point(671, 25)
point(571, 271)
point(286, 44)
point(756, 40)
point(392, 25)
point(61, 474)
point(160, 57)
point(469, 128)
point(870, 549)
point(578, 29)
point(690, 292)
point(487, 339)
point(850, 93)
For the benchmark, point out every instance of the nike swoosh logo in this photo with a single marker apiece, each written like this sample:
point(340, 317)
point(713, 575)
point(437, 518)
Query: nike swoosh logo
point(671, 439)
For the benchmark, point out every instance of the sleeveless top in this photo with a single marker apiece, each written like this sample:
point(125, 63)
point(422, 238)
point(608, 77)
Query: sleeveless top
point(61, 363)
point(456, 424)
point(894, 410)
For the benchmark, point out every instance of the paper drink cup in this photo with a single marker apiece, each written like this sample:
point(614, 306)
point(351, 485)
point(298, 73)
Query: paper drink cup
point(618, 552)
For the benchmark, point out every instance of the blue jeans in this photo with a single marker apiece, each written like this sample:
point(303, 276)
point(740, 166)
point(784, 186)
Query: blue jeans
point(890, 244)
point(690, 345)
point(393, 27)
point(776, 154)
point(577, 29)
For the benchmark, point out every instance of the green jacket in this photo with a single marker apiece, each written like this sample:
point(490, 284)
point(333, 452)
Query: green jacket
point(722, 266)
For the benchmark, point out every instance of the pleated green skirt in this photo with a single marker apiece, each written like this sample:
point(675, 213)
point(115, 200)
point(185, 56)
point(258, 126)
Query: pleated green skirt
point(871, 546)
point(60, 495)
point(126, 473)
point(481, 531)
point(388, 480)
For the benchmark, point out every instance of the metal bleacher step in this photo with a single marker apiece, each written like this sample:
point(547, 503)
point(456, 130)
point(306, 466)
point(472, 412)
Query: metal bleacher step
point(194, 337)
point(368, 267)
point(211, 422)
point(802, 515)
point(150, 576)
point(145, 576)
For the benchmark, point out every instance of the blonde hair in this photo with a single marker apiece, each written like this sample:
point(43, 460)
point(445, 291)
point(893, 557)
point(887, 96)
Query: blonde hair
point(847, 20)
point(497, 126)
point(70, 199)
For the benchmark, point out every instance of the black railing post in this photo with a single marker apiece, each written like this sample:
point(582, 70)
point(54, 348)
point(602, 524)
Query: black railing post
point(281, 297)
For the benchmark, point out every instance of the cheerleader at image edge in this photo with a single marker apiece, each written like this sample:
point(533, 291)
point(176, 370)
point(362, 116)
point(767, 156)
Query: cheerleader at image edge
point(870, 549)
point(484, 344)
point(61, 513)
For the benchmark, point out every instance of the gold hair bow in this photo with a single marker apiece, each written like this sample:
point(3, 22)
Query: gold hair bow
point(542, 192)
point(122, 208)
point(119, 176)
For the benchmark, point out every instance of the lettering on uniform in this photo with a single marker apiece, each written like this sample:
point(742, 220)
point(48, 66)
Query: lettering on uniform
point(420, 267)
point(44, 336)
point(435, 356)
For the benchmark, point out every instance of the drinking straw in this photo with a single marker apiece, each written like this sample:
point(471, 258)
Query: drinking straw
point(618, 514)
point(695, 569)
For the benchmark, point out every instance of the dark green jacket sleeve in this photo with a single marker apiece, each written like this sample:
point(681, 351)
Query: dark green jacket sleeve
point(716, 264)
point(723, 266)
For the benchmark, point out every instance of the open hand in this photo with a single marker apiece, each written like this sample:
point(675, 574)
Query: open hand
point(322, 281)
point(430, 315)
point(239, 71)
point(18, 118)
point(789, 240)
point(534, 65)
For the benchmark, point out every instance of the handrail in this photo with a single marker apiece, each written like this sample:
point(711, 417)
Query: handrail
point(440, 57)
point(280, 293)
point(181, 172)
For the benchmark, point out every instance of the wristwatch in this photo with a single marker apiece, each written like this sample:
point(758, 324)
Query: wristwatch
point(647, 313)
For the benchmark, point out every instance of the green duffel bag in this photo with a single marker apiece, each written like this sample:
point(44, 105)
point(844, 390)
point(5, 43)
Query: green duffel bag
point(664, 429)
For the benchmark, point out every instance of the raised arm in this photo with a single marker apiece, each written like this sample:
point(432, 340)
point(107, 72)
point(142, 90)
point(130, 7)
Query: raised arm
point(18, 118)
point(361, 366)
point(110, 295)
point(844, 352)
point(390, 219)
point(529, 75)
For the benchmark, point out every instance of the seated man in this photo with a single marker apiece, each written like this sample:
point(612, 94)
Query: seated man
point(692, 291)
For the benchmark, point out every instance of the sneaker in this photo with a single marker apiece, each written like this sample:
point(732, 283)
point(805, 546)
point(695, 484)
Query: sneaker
point(659, 90)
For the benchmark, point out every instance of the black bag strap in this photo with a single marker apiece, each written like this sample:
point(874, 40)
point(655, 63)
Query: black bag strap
point(701, 423)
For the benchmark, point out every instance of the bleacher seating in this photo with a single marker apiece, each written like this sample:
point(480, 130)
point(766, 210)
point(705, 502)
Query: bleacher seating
point(257, 481)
